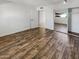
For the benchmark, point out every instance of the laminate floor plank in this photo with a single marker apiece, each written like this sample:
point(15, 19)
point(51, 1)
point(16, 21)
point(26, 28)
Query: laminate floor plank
point(19, 39)
point(39, 43)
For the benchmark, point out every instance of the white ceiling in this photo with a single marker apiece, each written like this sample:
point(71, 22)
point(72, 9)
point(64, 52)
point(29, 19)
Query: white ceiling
point(69, 4)
point(38, 2)
point(55, 3)
point(35, 2)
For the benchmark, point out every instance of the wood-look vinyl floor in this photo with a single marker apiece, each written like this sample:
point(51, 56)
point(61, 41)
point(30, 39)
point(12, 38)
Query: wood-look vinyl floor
point(39, 44)
point(61, 27)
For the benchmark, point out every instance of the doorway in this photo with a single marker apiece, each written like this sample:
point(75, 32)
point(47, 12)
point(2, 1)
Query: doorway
point(61, 21)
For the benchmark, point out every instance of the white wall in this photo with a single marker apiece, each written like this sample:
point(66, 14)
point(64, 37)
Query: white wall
point(75, 20)
point(15, 18)
point(49, 17)
point(61, 20)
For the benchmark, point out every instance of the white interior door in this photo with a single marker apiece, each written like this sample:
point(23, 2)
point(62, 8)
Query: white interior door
point(42, 19)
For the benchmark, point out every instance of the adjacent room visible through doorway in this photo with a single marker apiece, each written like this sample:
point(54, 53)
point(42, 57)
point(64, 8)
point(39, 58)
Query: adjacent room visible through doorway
point(61, 21)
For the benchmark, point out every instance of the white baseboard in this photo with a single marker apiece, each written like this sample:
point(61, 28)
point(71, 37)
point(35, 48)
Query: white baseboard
point(5, 34)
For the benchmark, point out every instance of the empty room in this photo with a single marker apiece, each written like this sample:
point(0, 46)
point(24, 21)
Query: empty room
point(39, 29)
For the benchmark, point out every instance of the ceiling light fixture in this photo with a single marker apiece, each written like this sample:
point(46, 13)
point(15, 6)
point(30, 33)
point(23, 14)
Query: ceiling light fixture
point(65, 1)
